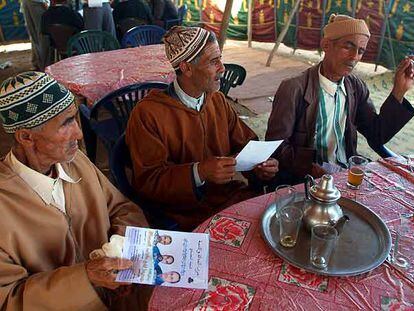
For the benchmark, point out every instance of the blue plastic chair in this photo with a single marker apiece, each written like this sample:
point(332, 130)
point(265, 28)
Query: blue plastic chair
point(182, 12)
point(120, 162)
point(108, 118)
point(233, 76)
point(143, 35)
point(91, 41)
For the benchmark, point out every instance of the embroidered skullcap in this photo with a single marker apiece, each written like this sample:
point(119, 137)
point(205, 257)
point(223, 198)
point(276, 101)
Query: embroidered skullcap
point(183, 44)
point(342, 25)
point(30, 99)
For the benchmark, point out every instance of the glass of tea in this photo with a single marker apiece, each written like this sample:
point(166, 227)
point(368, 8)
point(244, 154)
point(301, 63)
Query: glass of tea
point(356, 171)
point(290, 219)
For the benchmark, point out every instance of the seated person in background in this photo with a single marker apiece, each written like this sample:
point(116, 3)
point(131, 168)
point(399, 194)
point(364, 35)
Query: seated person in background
point(138, 9)
point(318, 113)
point(61, 13)
point(163, 10)
point(183, 140)
point(99, 18)
point(56, 207)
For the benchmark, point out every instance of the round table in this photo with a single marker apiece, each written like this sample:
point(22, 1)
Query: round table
point(245, 274)
point(94, 75)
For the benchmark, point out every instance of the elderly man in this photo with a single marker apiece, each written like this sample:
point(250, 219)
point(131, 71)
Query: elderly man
point(183, 140)
point(56, 206)
point(318, 113)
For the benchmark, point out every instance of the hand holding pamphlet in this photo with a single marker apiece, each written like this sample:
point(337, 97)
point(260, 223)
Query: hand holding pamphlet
point(166, 258)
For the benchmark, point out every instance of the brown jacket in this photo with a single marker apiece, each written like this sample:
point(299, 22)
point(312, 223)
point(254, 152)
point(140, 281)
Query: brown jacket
point(165, 139)
point(294, 114)
point(42, 250)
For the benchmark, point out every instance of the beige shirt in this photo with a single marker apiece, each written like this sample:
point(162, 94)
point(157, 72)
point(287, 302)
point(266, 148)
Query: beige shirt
point(49, 189)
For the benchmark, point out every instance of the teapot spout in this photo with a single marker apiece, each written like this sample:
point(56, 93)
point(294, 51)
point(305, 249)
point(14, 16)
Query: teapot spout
point(340, 224)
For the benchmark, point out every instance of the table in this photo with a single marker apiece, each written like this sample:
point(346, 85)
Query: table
point(245, 274)
point(94, 75)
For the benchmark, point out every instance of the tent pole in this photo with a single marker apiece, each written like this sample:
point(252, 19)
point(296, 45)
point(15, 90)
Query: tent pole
point(283, 33)
point(249, 24)
point(225, 23)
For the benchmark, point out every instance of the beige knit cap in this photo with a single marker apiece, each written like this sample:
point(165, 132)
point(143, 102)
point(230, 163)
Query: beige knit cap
point(183, 44)
point(342, 25)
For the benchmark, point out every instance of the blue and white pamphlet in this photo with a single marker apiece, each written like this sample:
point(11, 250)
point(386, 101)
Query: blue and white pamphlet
point(166, 258)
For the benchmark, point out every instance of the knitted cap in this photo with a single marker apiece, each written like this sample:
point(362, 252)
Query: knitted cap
point(30, 99)
point(342, 25)
point(183, 44)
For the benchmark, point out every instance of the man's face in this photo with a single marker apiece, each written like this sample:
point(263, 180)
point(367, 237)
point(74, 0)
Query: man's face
point(209, 69)
point(164, 239)
point(171, 277)
point(167, 259)
point(343, 54)
point(57, 140)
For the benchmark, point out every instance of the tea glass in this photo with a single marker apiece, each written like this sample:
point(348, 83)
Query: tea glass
point(403, 249)
point(356, 171)
point(323, 241)
point(290, 220)
point(284, 195)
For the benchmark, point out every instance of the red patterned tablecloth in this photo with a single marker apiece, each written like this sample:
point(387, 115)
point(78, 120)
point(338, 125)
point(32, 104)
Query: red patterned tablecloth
point(97, 74)
point(244, 274)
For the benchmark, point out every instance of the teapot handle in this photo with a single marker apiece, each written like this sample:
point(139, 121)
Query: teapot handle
point(309, 181)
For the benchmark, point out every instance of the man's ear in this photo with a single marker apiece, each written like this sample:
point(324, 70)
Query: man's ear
point(186, 69)
point(24, 137)
point(325, 44)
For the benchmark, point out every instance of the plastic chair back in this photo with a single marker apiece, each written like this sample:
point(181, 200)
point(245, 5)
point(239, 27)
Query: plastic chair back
point(143, 35)
point(233, 76)
point(109, 116)
point(90, 41)
point(120, 163)
point(60, 35)
point(128, 23)
point(182, 12)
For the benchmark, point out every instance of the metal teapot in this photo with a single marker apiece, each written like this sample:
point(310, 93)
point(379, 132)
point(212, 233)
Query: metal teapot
point(320, 203)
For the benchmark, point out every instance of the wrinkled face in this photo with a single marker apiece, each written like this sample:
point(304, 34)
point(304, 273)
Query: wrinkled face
point(164, 239)
point(209, 69)
point(343, 54)
point(171, 277)
point(57, 140)
point(167, 259)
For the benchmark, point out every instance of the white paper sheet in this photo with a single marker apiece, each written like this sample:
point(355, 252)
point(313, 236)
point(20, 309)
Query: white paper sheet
point(255, 152)
point(95, 3)
point(147, 251)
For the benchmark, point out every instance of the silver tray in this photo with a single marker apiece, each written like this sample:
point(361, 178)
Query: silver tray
point(363, 245)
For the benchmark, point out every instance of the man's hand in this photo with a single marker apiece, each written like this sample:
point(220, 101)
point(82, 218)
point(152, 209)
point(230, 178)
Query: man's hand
point(102, 271)
point(317, 171)
point(403, 79)
point(218, 170)
point(267, 169)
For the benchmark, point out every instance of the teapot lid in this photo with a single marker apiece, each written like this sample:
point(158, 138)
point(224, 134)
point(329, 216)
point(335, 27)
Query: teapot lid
point(325, 191)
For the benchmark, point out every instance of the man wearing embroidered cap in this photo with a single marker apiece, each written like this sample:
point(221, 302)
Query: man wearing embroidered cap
point(56, 206)
point(318, 113)
point(183, 140)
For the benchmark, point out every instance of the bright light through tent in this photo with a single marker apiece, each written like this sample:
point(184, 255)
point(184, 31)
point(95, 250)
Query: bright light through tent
point(15, 47)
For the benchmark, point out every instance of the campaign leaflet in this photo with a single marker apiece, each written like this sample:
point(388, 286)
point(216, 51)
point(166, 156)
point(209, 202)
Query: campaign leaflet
point(166, 258)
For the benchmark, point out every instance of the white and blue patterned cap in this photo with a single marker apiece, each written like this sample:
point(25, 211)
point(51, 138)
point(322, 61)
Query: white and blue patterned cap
point(30, 99)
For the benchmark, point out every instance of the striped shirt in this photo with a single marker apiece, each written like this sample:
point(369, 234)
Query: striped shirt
point(330, 124)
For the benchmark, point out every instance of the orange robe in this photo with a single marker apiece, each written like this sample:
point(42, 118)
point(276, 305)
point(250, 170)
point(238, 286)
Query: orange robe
point(166, 138)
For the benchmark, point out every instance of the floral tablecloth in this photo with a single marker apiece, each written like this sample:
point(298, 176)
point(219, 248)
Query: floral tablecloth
point(97, 74)
point(244, 274)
